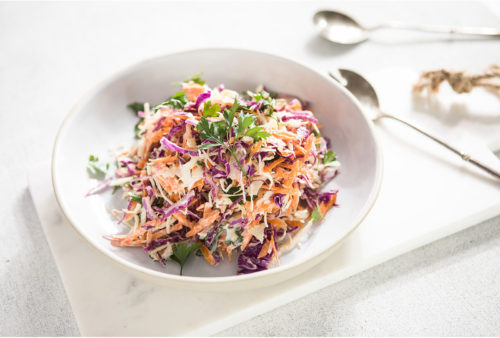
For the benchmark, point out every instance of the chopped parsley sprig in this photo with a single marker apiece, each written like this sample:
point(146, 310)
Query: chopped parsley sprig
point(220, 132)
point(182, 251)
point(96, 169)
point(178, 101)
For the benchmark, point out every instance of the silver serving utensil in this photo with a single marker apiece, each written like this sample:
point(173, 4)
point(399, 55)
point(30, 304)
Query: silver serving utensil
point(366, 95)
point(342, 29)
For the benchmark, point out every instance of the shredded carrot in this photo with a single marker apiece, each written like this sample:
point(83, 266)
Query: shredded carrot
point(270, 166)
point(193, 90)
point(285, 135)
point(324, 207)
point(308, 146)
point(295, 105)
point(170, 184)
point(207, 254)
point(278, 190)
point(247, 236)
point(294, 223)
point(209, 217)
point(166, 159)
point(277, 223)
point(151, 138)
point(183, 220)
point(265, 249)
point(255, 149)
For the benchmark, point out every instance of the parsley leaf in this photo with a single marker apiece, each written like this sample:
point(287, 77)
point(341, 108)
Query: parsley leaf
point(235, 193)
point(135, 197)
point(266, 106)
point(229, 114)
point(209, 110)
point(136, 107)
point(182, 252)
point(217, 132)
point(316, 215)
point(94, 169)
point(158, 202)
point(178, 101)
point(257, 133)
point(244, 121)
point(329, 157)
point(196, 78)
point(262, 95)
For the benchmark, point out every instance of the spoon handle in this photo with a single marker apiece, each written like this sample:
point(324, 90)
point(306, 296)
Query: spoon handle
point(481, 31)
point(465, 156)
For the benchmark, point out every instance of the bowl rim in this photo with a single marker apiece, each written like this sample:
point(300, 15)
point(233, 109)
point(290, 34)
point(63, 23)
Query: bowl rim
point(364, 211)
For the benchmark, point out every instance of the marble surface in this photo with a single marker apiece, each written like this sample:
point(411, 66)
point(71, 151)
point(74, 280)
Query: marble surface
point(55, 52)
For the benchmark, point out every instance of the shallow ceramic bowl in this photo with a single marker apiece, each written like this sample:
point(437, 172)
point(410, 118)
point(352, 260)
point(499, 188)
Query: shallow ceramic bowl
point(101, 122)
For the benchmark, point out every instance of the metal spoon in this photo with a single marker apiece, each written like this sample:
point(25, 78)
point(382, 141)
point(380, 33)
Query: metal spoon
point(340, 28)
point(367, 96)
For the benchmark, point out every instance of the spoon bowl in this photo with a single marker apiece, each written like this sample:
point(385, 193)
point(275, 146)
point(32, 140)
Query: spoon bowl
point(361, 89)
point(339, 28)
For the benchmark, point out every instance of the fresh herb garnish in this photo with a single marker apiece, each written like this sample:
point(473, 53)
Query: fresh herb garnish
point(316, 215)
point(262, 95)
point(95, 169)
point(217, 132)
point(257, 133)
point(267, 102)
point(329, 157)
point(196, 78)
point(158, 202)
point(235, 193)
point(136, 107)
point(209, 110)
point(247, 127)
point(182, 252)
point(178, 101)
point(135, 197)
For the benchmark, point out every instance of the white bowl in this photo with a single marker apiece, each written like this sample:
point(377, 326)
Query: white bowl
point(101, 121)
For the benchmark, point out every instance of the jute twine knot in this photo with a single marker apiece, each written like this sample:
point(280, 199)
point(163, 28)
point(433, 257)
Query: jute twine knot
point(459, 81)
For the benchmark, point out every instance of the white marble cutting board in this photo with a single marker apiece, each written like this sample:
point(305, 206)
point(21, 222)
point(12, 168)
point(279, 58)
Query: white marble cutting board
point(427, 193)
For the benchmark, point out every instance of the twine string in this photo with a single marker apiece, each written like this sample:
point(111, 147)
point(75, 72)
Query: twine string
point(459, 81)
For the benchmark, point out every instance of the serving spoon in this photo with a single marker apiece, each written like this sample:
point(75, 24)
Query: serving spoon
point(366, 95)
point(342, 29)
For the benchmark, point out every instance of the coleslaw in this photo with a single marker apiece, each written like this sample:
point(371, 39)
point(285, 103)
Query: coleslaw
point(218, 173)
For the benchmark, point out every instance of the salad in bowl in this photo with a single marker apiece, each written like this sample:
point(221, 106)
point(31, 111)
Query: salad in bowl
point(241, 189)
point(222, 174)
